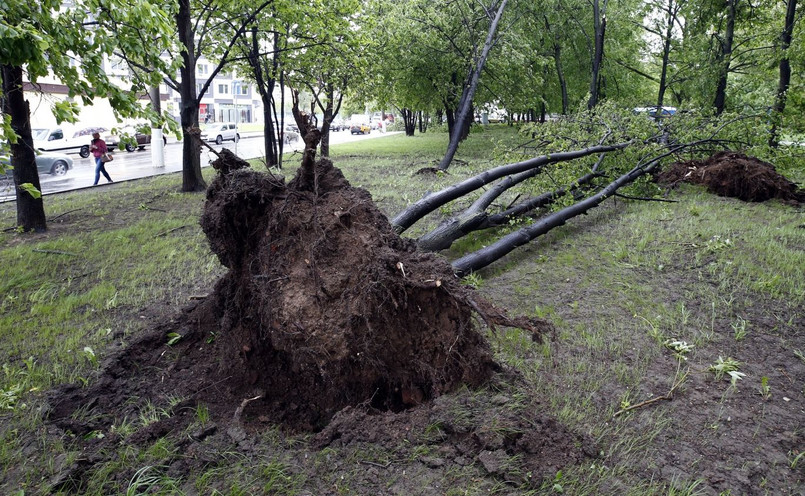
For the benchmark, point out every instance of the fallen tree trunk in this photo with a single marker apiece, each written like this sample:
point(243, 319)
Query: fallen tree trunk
point(485, 256)
point(533, 203)
point(410, 215)
point(476, 218)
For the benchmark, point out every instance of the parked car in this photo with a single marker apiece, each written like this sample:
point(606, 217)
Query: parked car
point(653, 111)
point(137, 137)
point(56, 164)
point(289, 135)
point(59, 139)
point(338, 124)
point(360, 128)
point(220, 132)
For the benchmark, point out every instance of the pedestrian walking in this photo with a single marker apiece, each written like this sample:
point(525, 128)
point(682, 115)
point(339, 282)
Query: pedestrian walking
point(101, 154)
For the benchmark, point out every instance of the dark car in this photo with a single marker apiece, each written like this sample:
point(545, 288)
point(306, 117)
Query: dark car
point(360, 128)
point(136, 138)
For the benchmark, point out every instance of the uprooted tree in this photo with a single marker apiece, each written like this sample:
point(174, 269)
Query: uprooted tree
point(299, 334)
point(586, 189)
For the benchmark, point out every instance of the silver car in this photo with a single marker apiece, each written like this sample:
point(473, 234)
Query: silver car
point(56, 164)
point(220, 132)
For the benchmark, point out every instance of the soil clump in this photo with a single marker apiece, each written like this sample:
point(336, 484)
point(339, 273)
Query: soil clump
point(735, 175)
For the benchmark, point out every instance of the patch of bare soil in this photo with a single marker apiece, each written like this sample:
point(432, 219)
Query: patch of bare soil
point(735, 175)
point(324, 314)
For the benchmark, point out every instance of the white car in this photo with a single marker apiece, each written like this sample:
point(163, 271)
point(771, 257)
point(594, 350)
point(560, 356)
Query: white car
point(220, 132)
point(67, 140)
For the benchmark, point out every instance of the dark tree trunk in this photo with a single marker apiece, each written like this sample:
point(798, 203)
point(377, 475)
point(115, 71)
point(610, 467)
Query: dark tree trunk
point(724, 58)
point(423, 121)
point(485, 256)
point(785, 72)
point(30, 210)
point(269, 129)
point(329, 111)
point(672, 9)
point(450, 117)
point(409, 120)
point(476, 218)
point(192, 180)
point(599, 26)
point(265, 82)
point(560, 73)
point(413, 213)
point(464, 116)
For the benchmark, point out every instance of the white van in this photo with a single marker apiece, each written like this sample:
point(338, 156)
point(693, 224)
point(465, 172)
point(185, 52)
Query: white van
point(70, 140)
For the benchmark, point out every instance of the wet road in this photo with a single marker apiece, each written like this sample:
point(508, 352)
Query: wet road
point(137, 164)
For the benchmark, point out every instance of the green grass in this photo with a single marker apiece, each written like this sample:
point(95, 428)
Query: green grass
point(617, 283)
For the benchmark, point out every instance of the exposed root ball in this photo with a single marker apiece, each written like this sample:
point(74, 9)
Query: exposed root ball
point(734, 175)
point(325, 307)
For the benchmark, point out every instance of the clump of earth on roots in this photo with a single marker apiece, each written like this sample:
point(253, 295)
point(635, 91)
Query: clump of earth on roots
point(735, 175)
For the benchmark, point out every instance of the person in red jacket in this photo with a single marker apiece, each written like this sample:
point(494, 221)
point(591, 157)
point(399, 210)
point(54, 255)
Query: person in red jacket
point(98, 147)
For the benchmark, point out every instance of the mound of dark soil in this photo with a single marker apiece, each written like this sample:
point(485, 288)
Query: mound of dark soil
point(323, 307)
point(734, 175)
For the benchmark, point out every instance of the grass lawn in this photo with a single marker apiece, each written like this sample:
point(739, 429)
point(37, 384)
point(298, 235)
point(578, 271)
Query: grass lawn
point(702, 297)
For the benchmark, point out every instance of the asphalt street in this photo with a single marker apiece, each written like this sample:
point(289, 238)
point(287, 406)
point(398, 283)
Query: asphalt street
point(134, 165)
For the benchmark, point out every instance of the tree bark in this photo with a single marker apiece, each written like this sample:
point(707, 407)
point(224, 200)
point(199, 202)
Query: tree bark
point(560, 73)
point(192, 180)
point(409, 118)
point(30, 210)
point(265, 82)
point(413, 213)
point(785, 72)
point(671, 10)
point(725, 58)
point(599, 27)
point(485, 256)
point(464, 116)
point(476, 218)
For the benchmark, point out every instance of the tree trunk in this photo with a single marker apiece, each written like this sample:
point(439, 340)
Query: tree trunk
point(725, 57)
point(599, 25)
point(409, 120)
point(666, 52)
point(560, 73)
point(485, 256)
point(269, 129)
point(785, 72)
point(192, 180)
point(329, 111)
point(464, 116)
point(413, 213)
point(30, 210)
point(423, 121)
point(476, 218)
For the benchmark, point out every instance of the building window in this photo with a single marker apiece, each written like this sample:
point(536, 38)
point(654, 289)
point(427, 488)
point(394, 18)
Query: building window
point(223, 89)
point(199, 86)
point(240, 88)
point(203, 69)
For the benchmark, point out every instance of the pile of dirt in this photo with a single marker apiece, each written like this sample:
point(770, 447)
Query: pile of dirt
point(734, 175)
point(323, 307)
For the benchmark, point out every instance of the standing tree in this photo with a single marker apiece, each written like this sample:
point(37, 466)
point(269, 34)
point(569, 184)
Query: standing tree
point(70, 43)
point(204, 27)
point(785, 70)
point(597, 54)
point(464, 116)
